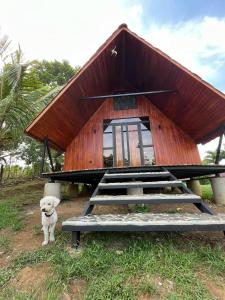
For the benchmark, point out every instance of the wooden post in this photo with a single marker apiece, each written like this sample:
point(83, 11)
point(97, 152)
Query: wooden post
point(43, 156)
point(50, 156)
point(219, 149)
point(1, 173)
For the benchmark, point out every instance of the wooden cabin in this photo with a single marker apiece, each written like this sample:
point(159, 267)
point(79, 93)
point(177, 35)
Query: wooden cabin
point(132, 113)
point(167, 111)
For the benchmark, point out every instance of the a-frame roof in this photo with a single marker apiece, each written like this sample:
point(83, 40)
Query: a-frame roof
point(196, 107)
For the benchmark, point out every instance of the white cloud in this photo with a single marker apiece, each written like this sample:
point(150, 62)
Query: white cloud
point(197, 44)
point(70, 29)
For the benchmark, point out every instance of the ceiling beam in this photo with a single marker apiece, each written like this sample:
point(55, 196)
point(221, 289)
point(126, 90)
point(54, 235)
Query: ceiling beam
point(128, 94)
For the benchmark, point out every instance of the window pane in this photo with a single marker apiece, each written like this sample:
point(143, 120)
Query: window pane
point(115, 121)
point(107, 140)
point(145, 126)
point(146, 137)
point(108, 158)
point(149, 157)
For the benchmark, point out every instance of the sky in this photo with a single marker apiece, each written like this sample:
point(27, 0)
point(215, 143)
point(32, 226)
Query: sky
point(190, 31)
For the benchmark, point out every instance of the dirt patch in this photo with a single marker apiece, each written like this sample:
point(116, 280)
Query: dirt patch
point(30, 278)
point(148, 297)
point(4, 260)
point(152, 287)
point(78, 288)
point(215, 290)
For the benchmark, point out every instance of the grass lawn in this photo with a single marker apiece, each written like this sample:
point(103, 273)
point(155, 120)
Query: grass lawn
point(207, 193)
point(107, 266)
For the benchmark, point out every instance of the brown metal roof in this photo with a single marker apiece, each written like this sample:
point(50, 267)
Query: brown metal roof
point(197, 107)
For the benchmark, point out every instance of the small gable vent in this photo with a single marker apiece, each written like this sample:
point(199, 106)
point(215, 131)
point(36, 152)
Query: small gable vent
point(124, 102)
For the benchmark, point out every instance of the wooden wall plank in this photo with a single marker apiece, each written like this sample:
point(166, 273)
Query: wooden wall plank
point(172, 145)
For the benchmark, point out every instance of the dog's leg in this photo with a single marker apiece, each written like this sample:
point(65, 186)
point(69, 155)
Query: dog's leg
point(52, 230)
point(45, 229)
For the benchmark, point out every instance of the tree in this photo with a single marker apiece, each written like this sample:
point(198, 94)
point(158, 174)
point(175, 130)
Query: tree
point(211, 156)
point(25, 89)
point(20, 93)
point(32, 153)
point(53, 73)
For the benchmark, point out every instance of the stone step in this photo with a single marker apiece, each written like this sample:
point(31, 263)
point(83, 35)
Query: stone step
point(146, 222)
point(150, 184)
point(137, 175)
point(145, 199)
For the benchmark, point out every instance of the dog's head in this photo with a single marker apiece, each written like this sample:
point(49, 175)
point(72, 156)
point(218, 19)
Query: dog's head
point(48, 203)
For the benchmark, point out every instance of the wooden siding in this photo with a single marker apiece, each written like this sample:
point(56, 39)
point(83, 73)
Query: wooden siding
point(195, 99)
point(172, 146)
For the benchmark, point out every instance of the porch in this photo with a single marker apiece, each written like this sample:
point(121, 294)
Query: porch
point(93, 176)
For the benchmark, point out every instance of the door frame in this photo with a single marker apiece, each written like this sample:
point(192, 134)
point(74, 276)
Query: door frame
point(141, 146)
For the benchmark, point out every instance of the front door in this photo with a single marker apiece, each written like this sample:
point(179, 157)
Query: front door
point(127, 142)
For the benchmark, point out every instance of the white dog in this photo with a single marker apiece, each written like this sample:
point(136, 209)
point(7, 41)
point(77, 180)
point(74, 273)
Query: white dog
point(48, 217)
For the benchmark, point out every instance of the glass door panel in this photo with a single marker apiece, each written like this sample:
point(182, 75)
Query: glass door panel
point(119, 146)
point(134, 145)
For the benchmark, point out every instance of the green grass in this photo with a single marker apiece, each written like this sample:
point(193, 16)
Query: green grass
point(5, 244)
point(14, 199)
point(112, 276)
point(9, 216)
point(148, 288)
point(142, 208)
point(207, 193)
point(109, 273)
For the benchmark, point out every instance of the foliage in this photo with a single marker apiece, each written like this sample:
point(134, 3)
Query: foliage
point(207, 193)
point(32, 153)
point(53, 73)
point(20, 94)
point(25, 89)
point(211, 157)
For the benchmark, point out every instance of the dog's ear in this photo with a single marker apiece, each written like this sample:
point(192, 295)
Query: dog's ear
point(56, 201)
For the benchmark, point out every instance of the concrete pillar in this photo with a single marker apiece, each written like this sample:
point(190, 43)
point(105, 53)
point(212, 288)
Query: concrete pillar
point(218, 187)
point(52, 189)
point(195, 187)
point(134, 191)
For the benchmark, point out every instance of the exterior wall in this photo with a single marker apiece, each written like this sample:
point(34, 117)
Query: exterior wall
point(172, 145)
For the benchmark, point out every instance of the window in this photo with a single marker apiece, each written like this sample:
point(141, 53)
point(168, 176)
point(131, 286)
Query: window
point(124, 102)
point(146, 135)
point(108, 151)
point(108, 157)
point(127, 142)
